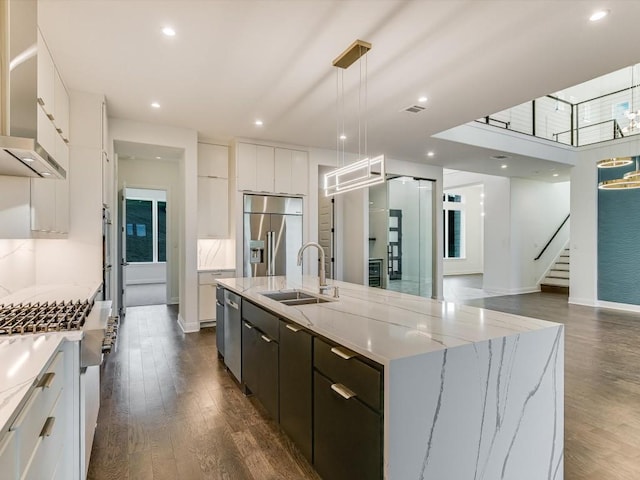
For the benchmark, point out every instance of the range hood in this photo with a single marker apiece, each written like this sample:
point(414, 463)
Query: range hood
point(20, 153)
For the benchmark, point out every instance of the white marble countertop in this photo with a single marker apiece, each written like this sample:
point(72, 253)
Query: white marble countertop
point(385, 325)
point(50, 293)
point(22, 358)
point(221, 269)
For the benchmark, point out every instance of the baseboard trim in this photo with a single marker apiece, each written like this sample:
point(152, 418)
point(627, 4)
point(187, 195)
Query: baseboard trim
point(186, 327)
point(512, 291)
point(587, 302)
point(174, 301)
point(627, 307)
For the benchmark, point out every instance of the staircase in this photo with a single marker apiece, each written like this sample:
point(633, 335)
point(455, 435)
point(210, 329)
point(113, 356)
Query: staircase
point(557, 278)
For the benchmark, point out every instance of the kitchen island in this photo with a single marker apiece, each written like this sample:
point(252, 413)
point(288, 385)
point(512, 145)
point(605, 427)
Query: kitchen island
point(467, 393)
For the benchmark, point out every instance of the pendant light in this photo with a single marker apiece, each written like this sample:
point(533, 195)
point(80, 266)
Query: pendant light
point(629, 181)
point(366, 171)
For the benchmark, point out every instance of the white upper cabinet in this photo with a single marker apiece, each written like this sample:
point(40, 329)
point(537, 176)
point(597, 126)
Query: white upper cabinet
point(291, 172)
point(61, 107)
point(273, 170)
point(264, 169)
point(46, 77)
point(213, 161)
point(213, 191)
point(213, 207)
point(246, 166)
point(46, 132)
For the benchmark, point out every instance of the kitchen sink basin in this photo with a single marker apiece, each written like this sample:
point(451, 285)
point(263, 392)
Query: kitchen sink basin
point(294, 297)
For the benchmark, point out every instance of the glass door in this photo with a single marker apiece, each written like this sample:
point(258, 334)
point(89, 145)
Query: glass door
point(401, 232)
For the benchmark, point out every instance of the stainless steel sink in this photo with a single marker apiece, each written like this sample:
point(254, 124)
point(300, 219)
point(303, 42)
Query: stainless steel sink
point(294, 297)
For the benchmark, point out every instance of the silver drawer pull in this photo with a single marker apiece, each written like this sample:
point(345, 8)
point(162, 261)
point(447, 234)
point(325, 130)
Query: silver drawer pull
point(293, 328)
point(216, 273)
point(48, 427)
point(265, 338)
point(219, 304)
point(343, 353)
point(343, 391)
point(232, 304)
point(248, 325)
point(46, 380)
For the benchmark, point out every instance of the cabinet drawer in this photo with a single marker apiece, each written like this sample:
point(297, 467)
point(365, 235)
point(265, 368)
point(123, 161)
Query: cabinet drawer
point(345, 367)
point(8, 455)
point(209, 278)
point(262, 319)
point(33, 416)
point(347, 435)
point(49, 446)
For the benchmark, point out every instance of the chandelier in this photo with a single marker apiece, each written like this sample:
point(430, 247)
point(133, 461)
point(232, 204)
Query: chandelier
point(365, 171)
point(629, 181)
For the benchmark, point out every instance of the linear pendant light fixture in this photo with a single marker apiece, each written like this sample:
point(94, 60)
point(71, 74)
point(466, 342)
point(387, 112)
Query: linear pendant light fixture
point(365, 172)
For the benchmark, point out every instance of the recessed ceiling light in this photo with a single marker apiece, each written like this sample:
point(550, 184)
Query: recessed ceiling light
point(503, 166)
point(45, 174)
point(343, 137)
point(158, 158)
point(556, 174)
point(422, 99)
point(599, 15)
point(169, 32)
point(430, 154)
point(28, 159)
point(258, 123)
point(155, 105)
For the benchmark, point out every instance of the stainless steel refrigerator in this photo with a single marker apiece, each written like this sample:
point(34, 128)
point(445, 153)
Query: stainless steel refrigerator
point(272, 235)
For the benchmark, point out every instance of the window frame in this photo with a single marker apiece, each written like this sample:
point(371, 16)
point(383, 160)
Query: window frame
point(459, 206)
point(154, 227)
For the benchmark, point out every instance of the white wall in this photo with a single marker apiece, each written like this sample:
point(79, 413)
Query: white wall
point(17, 265)
point(473, 260)
point(537, 210)
point(164, 176)
point(520, 217)
point(584, 219)
point(127, 130)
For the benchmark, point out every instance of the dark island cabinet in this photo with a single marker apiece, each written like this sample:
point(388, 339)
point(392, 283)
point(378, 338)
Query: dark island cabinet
point(260, 352)
point(347, 414)
point(296, 386)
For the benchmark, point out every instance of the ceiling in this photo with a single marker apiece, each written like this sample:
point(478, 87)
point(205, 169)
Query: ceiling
point(233, 62)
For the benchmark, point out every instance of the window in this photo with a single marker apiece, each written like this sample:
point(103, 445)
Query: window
point(453, 221)
point(146, 226)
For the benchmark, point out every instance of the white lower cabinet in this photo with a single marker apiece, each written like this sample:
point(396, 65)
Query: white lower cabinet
point(207, 293)
point(40, 442)
point(9, 455)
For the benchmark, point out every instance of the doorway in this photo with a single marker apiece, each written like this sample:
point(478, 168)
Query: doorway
point(148, 216)
point(401, 225)
point(145, 246)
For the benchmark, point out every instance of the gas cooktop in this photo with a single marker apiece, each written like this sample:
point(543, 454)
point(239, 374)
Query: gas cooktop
point(40, 317)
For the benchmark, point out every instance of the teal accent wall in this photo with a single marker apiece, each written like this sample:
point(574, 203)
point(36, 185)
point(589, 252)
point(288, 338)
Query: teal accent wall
point(618, 241)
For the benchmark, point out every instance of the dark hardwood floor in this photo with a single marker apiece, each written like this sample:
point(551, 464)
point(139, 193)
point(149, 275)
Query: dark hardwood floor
point(602, 383)
point(170, 411)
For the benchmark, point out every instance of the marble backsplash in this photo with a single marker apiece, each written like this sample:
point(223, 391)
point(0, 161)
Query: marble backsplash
point(216, 254)
point(17, 265)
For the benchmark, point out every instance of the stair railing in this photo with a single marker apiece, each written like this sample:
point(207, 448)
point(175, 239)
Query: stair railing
point(552, 237)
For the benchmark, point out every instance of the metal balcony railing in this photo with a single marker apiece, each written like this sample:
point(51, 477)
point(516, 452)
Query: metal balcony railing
point(591, 121)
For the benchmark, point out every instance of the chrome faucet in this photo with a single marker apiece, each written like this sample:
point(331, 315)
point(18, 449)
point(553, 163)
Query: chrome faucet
point(323, 276)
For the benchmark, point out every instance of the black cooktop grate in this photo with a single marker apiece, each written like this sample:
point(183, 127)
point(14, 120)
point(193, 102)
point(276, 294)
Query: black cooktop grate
point(42, 317)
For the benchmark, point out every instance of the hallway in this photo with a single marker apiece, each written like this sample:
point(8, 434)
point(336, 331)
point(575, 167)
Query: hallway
point(170, 411)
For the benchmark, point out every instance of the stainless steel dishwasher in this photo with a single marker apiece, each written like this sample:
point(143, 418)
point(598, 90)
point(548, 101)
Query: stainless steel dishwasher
point(232, 334)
